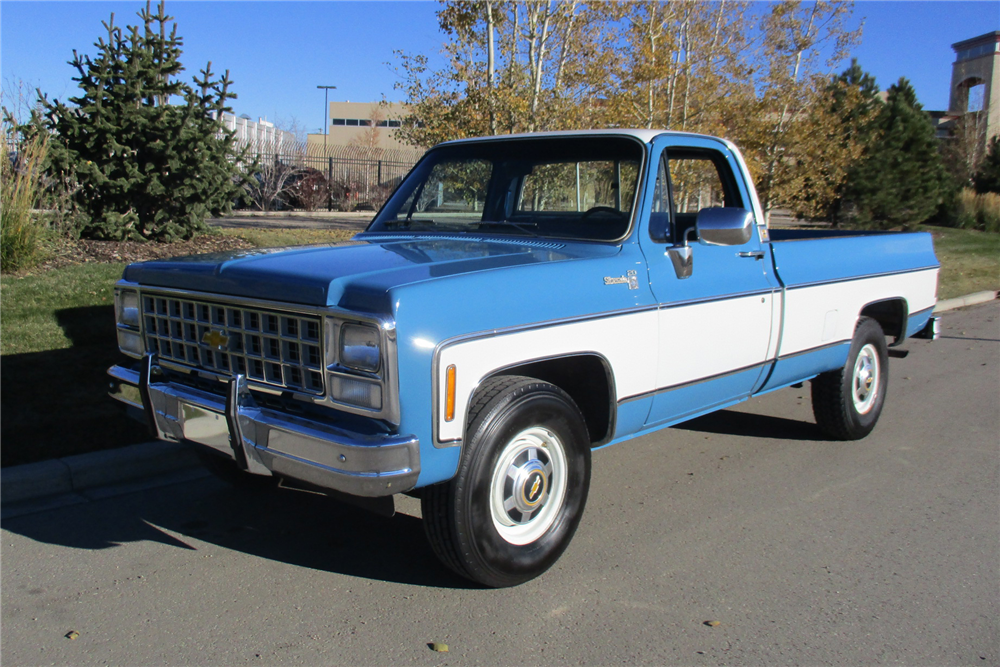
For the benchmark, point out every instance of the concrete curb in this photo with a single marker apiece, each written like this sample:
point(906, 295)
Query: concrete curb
point(74, 474)
point(967, 300)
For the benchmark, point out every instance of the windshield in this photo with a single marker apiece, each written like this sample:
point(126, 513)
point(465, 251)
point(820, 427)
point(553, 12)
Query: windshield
point(569, 187)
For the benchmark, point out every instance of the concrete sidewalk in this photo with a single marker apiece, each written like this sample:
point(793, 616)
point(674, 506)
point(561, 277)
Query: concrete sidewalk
point(71, 480)
point(35, 487)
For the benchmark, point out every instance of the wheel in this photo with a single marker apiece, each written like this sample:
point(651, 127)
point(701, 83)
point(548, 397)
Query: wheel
point(226, 469)
point(516, 501)
point(847, 402)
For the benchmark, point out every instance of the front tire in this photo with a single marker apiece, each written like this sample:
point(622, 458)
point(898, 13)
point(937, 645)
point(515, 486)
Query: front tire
point(847, 402)
point(518, 496)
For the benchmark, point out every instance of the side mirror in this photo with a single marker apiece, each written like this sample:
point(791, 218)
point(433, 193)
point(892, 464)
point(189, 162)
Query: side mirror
point(724, 226)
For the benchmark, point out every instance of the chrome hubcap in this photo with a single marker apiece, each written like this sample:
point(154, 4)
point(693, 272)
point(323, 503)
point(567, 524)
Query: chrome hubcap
point(866, 379)
point(529, 485)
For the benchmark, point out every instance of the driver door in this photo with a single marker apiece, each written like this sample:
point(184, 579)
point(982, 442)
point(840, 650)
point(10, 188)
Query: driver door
point(715, 325)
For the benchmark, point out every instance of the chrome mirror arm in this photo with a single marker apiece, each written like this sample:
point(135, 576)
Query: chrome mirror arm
point(682, 256)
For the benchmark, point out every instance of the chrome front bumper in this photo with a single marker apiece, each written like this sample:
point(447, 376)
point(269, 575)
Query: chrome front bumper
point(263, 441)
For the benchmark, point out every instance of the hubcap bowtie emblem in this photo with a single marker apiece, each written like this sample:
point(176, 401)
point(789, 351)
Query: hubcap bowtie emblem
point(534, 487)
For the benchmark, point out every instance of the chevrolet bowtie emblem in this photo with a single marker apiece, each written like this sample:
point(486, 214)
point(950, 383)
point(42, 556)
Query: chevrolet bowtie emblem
point(216, 340)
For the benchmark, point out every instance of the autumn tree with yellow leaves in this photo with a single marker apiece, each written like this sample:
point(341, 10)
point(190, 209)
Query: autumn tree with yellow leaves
point(758, 76)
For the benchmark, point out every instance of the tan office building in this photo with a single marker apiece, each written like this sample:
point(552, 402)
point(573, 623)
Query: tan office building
point(365, 124)
point(975, 80)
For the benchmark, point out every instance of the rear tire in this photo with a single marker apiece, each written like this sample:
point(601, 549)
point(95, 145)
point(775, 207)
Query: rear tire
point(847, 402)
point(522, 484)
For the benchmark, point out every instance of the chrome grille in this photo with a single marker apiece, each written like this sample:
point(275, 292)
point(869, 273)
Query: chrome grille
point(272, 347)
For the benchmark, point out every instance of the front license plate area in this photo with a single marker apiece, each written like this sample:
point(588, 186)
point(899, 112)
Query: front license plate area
point(206, 427)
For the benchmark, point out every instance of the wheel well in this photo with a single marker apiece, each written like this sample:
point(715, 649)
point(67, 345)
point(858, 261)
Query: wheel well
point(891, 314)
point(588, 381)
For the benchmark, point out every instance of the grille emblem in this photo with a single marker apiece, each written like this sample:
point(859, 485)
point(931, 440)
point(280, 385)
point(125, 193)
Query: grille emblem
point(216, 340)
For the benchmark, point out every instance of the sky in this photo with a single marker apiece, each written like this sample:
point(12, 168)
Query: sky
point(278, 52)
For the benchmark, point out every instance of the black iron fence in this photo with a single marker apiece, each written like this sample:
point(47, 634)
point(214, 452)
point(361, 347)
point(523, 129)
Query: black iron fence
point(345, 178)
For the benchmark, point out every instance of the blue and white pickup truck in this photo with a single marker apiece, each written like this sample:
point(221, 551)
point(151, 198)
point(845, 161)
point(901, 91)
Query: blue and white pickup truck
point(517, 302)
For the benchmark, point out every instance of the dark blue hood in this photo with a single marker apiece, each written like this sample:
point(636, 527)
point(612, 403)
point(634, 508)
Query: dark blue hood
point(353, 276)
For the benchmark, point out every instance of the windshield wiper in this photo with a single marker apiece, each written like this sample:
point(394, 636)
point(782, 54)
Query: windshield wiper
point(521, 226)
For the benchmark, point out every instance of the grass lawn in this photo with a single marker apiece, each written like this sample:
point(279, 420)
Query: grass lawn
point(970, 260)
point(57, 338)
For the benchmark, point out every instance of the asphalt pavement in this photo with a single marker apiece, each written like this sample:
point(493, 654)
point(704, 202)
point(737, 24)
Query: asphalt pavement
point(804, 551)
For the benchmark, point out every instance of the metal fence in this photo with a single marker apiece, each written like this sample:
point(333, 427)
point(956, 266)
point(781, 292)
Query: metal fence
point(349, 177)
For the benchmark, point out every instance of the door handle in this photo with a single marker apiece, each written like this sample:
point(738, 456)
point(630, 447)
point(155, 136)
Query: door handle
point(756, 254)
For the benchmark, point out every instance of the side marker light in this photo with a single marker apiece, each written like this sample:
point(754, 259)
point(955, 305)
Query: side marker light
point(449, 394)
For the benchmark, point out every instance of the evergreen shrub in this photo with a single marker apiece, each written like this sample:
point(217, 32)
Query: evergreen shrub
point(144, 166)
point(987, 177)
point(900, 180)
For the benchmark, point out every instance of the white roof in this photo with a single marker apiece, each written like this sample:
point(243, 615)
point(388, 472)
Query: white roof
point(644, 136)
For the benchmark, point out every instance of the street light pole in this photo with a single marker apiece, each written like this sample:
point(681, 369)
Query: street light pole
point(326, 111)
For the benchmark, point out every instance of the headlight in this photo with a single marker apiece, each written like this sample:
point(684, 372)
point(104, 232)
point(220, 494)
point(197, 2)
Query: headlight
point(127, 315)
point(359, 347)
point(127, 308)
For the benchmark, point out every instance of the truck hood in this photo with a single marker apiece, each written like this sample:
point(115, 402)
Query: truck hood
point(357, 277)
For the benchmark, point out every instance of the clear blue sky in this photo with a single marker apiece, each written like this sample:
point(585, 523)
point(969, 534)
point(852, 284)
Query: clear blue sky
point(278, 52)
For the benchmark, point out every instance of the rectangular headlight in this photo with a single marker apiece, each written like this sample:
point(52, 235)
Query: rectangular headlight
point(127, 308)
point(359, 347)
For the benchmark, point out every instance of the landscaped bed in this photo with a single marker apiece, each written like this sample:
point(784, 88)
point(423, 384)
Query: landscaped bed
point(57, 331)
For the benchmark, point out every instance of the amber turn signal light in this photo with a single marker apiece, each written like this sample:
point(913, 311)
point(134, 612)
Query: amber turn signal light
point(449, 394)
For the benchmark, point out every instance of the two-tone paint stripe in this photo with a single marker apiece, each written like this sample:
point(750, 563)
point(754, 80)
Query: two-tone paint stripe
point(631, 342)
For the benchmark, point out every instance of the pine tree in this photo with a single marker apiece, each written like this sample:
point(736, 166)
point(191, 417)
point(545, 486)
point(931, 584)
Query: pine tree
point(852, 100)
point(987, 179)
point(146, 153)
point(855, 100)
point(901, 180)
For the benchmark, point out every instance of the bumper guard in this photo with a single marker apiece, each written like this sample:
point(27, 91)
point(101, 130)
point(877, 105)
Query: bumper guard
point(266, 442)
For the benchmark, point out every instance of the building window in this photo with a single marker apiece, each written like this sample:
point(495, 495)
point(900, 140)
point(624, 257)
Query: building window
point(977, 51)
point(363, 122)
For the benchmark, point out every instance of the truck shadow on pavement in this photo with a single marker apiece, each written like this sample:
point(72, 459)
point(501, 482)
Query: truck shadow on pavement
point(55, 402)
point(210, 518)
point(731, 422)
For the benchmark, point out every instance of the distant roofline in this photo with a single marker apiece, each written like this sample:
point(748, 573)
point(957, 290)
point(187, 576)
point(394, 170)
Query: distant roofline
point(985, 38)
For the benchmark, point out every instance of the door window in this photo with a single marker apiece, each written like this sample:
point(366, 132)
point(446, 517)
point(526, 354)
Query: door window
point(698, 179)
